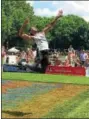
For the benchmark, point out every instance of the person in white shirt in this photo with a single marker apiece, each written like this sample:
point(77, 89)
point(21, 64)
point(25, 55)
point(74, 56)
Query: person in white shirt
point(70, 49)
point(83, 56)
point(40, 39)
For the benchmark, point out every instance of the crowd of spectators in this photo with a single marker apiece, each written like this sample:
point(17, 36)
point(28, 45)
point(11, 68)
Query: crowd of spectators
point(71, 57)
point(24, 56)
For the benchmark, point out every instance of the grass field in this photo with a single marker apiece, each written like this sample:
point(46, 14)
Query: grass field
point(46, 78)
point(28, 95)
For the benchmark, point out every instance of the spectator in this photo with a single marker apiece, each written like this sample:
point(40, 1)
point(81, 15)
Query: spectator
point(56, 61)
point(86, 64)
point(30, 57)
point(3, 55)
point(83, 57)
point(7, 60)
point(3, 51)
point(67, 63)
point(62, 64)
point(70, 49)
point(88, 54)
point(77, 63)
point(17, 58)
point(22, 57)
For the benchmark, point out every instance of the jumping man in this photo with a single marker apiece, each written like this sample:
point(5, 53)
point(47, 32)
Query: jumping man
point(40, 39)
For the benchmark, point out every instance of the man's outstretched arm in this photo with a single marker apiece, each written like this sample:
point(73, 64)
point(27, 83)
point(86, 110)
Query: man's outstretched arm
point(49, 26)
point(22, 34)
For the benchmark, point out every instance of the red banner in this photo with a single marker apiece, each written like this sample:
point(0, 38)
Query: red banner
point(66, 70)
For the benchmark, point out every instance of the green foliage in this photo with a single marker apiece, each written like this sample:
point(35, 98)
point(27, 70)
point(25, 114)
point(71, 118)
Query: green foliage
point(77, 107)
point(68, 30)
point(13, 15)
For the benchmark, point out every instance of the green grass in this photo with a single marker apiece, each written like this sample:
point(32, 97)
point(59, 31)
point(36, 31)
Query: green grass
point(77, 107)
point(45, 78)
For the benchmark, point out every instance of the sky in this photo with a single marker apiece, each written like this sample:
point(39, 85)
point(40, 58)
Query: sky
point(50, 8)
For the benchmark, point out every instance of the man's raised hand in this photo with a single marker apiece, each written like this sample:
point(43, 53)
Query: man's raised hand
point(60, 13)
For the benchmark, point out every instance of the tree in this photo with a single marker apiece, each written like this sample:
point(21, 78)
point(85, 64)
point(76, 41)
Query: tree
point(13, 15)
point(70, 29)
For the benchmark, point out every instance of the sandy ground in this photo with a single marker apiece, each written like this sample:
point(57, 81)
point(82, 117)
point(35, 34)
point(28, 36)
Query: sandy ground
point(41, 103)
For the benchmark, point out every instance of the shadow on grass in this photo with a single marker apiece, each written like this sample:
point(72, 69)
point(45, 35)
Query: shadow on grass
point(16, 113)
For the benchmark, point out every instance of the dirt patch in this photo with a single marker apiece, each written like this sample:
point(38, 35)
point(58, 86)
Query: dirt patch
point(15, 84)
point(42, 104)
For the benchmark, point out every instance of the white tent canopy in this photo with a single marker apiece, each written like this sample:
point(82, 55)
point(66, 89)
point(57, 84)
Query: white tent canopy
point(14, 50)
